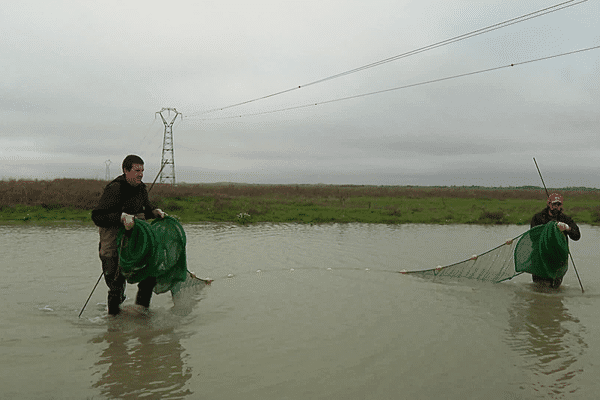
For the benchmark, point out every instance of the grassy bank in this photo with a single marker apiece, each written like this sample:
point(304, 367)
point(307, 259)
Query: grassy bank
point(73, 200)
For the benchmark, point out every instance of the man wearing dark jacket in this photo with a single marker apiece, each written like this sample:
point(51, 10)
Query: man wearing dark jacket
point(554, 212)
point(123, 199)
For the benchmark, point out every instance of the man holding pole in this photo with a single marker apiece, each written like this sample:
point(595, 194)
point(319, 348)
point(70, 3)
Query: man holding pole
point(554, 212)
point(123, 199)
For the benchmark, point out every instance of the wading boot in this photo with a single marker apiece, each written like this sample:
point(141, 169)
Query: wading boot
point(114, 305)
point(144, 293)
point(115, 282)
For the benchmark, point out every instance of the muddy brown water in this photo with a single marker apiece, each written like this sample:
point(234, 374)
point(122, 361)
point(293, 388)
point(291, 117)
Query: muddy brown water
point(297, 312)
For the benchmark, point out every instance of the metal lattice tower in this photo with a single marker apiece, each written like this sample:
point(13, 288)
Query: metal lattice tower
point(107, 162)
point(168, 157)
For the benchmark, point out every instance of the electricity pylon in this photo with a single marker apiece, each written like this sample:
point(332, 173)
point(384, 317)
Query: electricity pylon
point(168, 157)
point(107, 162)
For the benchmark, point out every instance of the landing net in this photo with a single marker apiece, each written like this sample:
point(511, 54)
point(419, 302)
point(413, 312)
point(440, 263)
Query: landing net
point(543, 251)
point(154, 249)
point(495, 265)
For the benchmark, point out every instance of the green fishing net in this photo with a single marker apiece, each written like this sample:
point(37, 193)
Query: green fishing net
point(543, 251)
point(495, 265)
point(154, 249)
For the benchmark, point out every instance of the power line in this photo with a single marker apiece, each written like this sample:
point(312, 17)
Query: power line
point(490, 28)
point(408, 86)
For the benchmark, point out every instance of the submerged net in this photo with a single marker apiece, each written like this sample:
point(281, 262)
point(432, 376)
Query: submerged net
point(495, 265)
point(154, 249)
point(543, 251)
point(192, 284)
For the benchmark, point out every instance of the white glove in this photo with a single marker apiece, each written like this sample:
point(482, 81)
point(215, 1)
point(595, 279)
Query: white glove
point(563, 227)
point(159, 213)
point(127, 220)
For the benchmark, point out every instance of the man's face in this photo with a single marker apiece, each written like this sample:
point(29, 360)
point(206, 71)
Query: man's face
point(555, 208)
point(135, 175)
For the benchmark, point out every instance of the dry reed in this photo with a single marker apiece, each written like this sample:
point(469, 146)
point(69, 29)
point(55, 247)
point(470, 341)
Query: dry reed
point(84, 193)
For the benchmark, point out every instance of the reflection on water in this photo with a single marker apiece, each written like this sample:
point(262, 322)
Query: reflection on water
point(549, 340)
point(141, 361)
point(144, 356)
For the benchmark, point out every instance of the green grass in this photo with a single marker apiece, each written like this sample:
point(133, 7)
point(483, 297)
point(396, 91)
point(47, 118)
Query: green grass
point(73, 200)
point(38, 214)
point(387, 210)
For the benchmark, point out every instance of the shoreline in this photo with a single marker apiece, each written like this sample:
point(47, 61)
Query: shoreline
point(71, 201)
point(246, 210)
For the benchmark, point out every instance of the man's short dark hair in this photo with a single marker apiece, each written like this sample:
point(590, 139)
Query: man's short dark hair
point(130, 160)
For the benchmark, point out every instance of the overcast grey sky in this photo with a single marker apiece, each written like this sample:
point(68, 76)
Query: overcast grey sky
point(81, 83)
